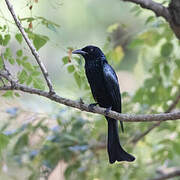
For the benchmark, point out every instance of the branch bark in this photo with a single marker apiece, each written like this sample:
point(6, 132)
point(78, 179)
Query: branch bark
point(31, 46)
point(157, 8)
point(85, 107)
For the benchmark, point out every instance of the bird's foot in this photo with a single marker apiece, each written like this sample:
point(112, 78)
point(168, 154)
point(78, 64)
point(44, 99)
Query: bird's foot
point(107, 110)
point(81, 102)
point(91, 106)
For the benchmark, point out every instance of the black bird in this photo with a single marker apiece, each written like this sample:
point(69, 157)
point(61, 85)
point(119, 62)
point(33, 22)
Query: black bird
point(105, 89)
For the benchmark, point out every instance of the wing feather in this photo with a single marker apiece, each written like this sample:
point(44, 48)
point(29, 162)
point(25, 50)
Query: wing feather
point(112, 86)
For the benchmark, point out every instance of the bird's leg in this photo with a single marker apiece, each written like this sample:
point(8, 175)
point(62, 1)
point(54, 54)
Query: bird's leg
point(91, 106)
point(107, 110)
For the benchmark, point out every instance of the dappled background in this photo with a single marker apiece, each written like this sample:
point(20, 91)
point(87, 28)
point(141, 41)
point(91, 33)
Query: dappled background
point(42, 139)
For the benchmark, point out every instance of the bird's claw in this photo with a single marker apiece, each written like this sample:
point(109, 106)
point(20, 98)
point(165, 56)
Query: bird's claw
point(107, 110)
point(81, 101)
point(91, 106)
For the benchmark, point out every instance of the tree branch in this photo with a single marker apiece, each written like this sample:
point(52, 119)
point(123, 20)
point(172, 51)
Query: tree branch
point(140, 136)
point(84, 107)
point(31, 46)
point(169, 175)
point(157, 8)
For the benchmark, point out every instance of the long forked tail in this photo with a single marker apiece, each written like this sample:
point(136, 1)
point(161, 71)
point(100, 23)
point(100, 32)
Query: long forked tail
point(115, 151)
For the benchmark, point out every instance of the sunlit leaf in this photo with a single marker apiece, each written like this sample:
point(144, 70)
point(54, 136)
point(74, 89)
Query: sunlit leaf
point(19, 38)
point(4, 140)
point(112, 27)
point(166, 49)
point(39, 41)
point(70, 68)
point(22, 77)
point(6, 40)
point(19, 53)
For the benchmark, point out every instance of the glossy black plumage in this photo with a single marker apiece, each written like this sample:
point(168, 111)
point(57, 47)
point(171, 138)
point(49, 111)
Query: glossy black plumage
point(105, 89)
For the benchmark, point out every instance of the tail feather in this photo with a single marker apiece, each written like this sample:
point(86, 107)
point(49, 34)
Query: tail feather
point(115, 151)
point(122, 127)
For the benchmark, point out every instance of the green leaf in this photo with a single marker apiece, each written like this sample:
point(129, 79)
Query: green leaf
point(71, 138)
point(18, 61)
point(166, 70)
point(28, 66)
point(149, 19)
point(19, 53)
point(21, 143)
point(7, 53)
point(1, 63)
point(1, 40)
point(70, 169)
point(33, 176)
point(11, 60)
point(38, 83)
point(23, 76)
point(17, 94)
point(166, 49)
point(71, 68)
point(65, 60)
point(8, 94)
point(19, 38)
point(77, 79)
point(28, 19)
point(4, 140)
point(39, 41)
point(135, 43)
point(112, 28)
point(150, 37)
point(6, 40)
point(177, 61)
point(29, 80)
point(36, 73)
point(117, 54)
point(24, 58)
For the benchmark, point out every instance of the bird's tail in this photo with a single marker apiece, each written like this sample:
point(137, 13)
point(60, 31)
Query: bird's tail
point(115, 151)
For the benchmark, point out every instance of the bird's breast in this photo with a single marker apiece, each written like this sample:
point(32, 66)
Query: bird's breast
point(94, 73)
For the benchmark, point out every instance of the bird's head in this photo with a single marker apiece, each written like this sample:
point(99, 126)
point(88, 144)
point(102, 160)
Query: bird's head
point(90, 53)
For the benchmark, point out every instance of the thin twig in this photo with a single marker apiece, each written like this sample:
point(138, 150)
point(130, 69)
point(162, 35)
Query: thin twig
point(31, 46)
point(174, 104)
point(4, 65)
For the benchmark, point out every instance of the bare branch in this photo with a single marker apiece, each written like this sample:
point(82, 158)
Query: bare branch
point(85, 107)
point(174, 104)
point(169, 175)
point(140, 136)
point(31, 46)
point(157, 8)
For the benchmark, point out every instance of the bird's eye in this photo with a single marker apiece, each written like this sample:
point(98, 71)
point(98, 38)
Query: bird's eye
point(91, 50)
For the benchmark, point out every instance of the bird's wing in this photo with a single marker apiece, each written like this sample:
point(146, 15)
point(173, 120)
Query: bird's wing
point(112, 86)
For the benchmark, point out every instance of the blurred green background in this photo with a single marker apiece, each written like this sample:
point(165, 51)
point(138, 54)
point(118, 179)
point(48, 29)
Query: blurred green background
point(40, 139)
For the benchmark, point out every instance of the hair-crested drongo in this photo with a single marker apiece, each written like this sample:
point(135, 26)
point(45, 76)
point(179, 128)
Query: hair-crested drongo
point(105, 89)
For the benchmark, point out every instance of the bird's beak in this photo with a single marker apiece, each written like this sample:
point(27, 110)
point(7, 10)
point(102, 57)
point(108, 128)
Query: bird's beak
point(79, 51)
